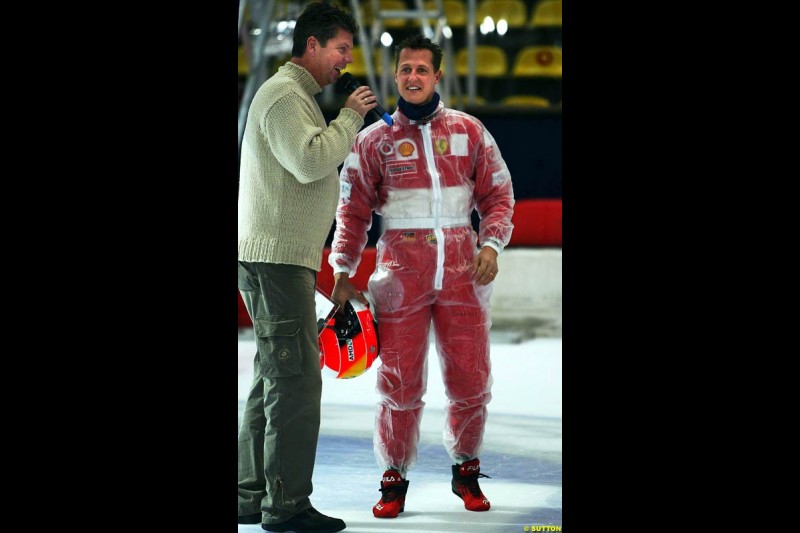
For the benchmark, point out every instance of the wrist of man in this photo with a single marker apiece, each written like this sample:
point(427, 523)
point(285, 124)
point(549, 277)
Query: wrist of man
point(494, 246)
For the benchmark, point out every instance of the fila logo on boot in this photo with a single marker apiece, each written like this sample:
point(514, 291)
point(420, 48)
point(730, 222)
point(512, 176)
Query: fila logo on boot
point(389, 478)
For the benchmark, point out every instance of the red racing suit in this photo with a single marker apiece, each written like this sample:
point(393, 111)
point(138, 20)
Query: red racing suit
point(425, 180)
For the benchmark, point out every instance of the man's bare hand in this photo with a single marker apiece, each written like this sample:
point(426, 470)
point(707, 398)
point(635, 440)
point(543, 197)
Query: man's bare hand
point(484, 266)
point(343, 290)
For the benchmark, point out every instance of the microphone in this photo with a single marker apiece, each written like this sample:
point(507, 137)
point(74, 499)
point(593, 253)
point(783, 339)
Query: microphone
point(351, 84)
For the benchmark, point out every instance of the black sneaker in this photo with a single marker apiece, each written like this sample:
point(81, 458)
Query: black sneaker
point(250, 518)
point(308, 521)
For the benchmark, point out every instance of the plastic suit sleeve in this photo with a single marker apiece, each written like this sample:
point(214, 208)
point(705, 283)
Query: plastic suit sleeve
point(308, 151)
point(357, 199)
point(494, 195)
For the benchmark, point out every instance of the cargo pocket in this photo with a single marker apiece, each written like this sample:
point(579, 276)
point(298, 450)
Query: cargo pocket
point(278, 341)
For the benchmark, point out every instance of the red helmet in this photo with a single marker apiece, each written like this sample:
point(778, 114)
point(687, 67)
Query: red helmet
point(348, 345)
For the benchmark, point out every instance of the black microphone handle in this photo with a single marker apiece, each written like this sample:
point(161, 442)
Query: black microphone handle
point(351, 84)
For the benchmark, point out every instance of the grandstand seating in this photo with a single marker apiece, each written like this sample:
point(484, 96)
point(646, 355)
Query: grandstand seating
point(515, 12)
point(358, 67)
point(462, 101)
point(546, 13)
point(545, 22)
point(534, 61)
point(526, 100)
point(454, 10)
point(536, 19)
point(385, 5)
point(491, 61)
point(537, 70)
point(491, 69)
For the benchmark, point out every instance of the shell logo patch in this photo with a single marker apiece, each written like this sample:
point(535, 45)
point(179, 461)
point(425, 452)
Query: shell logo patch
point(405, 148)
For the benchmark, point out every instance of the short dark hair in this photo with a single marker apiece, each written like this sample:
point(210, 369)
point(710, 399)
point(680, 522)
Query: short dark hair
point(321, 20)
point(419, 42)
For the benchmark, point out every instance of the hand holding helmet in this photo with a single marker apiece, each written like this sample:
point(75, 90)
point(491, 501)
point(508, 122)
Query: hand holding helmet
point(344, 290)
point(348, 346)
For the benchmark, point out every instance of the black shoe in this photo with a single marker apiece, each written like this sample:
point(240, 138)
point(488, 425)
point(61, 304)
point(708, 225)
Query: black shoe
point(308, 521)
point(250, 518)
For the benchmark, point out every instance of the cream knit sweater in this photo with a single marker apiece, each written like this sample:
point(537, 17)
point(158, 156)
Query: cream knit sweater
point(288, 179)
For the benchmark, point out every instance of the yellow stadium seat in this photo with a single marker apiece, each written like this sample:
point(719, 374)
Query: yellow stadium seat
point(536, 61)
point(526, 100)
point(537, 70)
point(491, 69)
point(384, 5)
point(515, 12)
point(455, 11)
point(244, 65)
point(358, 67)
point(461, 101)
point(490, 61)
point(546, 13)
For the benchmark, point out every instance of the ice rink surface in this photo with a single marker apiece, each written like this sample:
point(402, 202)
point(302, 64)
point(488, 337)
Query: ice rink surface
point(521, 452)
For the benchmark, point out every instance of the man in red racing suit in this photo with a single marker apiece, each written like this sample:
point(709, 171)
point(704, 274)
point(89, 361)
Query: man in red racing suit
point(425, 175)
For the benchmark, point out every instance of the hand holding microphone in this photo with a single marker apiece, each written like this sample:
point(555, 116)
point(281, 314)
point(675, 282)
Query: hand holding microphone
point(350, 84)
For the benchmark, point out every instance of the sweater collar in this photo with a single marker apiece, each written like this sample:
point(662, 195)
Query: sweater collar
point(301, 76)
point(404, 119)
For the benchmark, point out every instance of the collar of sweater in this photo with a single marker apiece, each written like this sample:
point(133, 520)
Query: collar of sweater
point(301, 76)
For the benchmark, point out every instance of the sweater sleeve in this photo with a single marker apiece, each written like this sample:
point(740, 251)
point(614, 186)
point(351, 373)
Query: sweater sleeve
point(301, 145)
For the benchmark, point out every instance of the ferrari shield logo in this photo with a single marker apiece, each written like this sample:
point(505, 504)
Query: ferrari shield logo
point(441, 146)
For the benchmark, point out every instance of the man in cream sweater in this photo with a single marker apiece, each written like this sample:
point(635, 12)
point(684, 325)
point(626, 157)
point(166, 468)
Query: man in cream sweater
point(288, 191)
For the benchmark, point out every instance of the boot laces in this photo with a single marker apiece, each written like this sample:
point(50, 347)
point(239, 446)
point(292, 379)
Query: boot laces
point(471, 483)
point(390, 494)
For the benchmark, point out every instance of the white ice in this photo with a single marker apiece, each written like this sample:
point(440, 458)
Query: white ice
point(521, 452)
